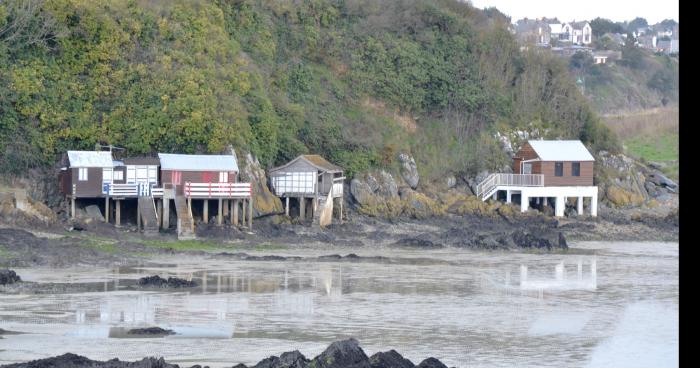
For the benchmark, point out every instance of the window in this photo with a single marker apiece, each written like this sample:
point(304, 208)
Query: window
point(575, 169)
point(527, 168)
point(118, 175)
point(106, 175)
point(558, 169)
point(223, 177)
point(83, 174)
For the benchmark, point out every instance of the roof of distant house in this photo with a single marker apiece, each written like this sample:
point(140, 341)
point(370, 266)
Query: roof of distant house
point(171, 161)
point(561, 150)
point(90, 159)
point(316, 161)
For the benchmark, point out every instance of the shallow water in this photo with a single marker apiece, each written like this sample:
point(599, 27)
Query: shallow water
point(610, 305)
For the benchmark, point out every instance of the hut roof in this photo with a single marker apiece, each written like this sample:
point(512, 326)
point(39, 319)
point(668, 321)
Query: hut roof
point(141, 160)
point(314, 160)
point(90, 159)
point(572, 150)
point(171, 161)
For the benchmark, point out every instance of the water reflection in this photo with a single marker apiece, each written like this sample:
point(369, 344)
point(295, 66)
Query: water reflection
point(476, 311)
point(563, 278)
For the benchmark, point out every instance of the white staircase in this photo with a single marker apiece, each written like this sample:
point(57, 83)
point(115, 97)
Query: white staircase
point(498, 181)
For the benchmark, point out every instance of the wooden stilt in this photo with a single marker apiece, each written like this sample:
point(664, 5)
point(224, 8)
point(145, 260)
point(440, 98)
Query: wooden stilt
point(72, 207)
point(107, 210)
point(117, 216)
point(226, 201)
point(159, 208)
point(340, 212)
point(243, 213)
point(286, 206)
point(250, 213)
point(205, 213)
point(221, 212)
point(138, 216)
point(302, 208)
point(234, 221)
point(166, 213)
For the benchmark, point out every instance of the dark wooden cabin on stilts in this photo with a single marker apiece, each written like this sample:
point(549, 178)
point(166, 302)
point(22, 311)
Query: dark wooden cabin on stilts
point(310, 178)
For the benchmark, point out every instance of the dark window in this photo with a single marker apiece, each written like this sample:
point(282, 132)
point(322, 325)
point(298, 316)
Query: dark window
point(575, 169)
point(558, 169)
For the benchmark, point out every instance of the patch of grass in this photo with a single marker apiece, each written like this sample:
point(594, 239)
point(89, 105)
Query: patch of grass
point(656, 148)
point(268, 246)
point(4, 253)
point(183, 245)
point(105, 246)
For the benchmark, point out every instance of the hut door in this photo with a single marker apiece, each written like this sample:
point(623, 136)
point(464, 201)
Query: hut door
point(176, 177)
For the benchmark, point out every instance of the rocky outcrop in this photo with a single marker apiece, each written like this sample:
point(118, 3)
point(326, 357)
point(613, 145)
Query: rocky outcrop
point(150, 332)
point(340, 354)
point(264, 201)
point(171, 282)
point(77, 361)
point(8, 277)
point(625, 182)
point(389, 359)
point(409, 170)
point(17, 208)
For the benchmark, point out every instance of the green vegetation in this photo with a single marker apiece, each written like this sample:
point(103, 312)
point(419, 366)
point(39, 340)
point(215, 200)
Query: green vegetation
point(184, 245)
point(354, 80)
point(659, 148)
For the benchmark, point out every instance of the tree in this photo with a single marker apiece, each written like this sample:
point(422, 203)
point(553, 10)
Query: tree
point(601, 26)
point(637, 23)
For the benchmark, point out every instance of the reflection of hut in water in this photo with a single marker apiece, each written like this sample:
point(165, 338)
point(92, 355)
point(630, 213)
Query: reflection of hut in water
point(563, 279)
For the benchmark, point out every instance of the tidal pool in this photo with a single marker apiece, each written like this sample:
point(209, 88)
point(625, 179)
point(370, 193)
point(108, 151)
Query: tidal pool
point(600, 305)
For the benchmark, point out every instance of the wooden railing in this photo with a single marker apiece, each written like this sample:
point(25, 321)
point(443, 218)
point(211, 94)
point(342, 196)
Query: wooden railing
point(217, 190)
point(123, 190)
point(156, 192)
point(517, 180)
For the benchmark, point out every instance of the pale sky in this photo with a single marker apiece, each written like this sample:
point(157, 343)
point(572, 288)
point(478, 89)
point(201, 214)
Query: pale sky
point(653, 11)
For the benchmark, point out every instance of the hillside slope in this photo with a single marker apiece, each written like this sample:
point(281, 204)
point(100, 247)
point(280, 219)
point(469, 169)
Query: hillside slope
point(357, 81)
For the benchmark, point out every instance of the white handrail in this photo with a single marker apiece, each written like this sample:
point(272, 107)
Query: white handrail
point(499, 179)
point(218, 190)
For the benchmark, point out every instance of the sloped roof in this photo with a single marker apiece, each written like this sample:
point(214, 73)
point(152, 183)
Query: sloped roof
point(572, 150)
point(172, 161)
point(315, 160)
point(578, 25)
point(90, 159)
point(141, 160)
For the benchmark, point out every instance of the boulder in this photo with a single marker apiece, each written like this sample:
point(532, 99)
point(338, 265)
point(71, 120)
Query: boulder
point(659, 179)
point(93, 212)
point(390, 359)
point(292, 359)
point(409, 170)
point(621, 197)
point(342, 354)
point(361, 192)
point(431, 363)
point(264, 201)
point(150, 332)
point(450, 181)
point(173, 282)
point(8, 277)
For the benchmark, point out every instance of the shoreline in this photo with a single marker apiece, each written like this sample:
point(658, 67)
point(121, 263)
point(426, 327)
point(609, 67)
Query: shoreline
point(97, 243)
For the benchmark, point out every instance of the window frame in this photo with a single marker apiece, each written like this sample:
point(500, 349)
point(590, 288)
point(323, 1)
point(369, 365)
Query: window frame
point(82, 174)
point(559, 164)
point(577, 172)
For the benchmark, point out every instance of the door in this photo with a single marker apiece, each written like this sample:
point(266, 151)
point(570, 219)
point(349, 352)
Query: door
point(176, 176)
point(527, 168)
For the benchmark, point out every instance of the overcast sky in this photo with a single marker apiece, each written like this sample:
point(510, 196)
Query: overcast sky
point(653, 11)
